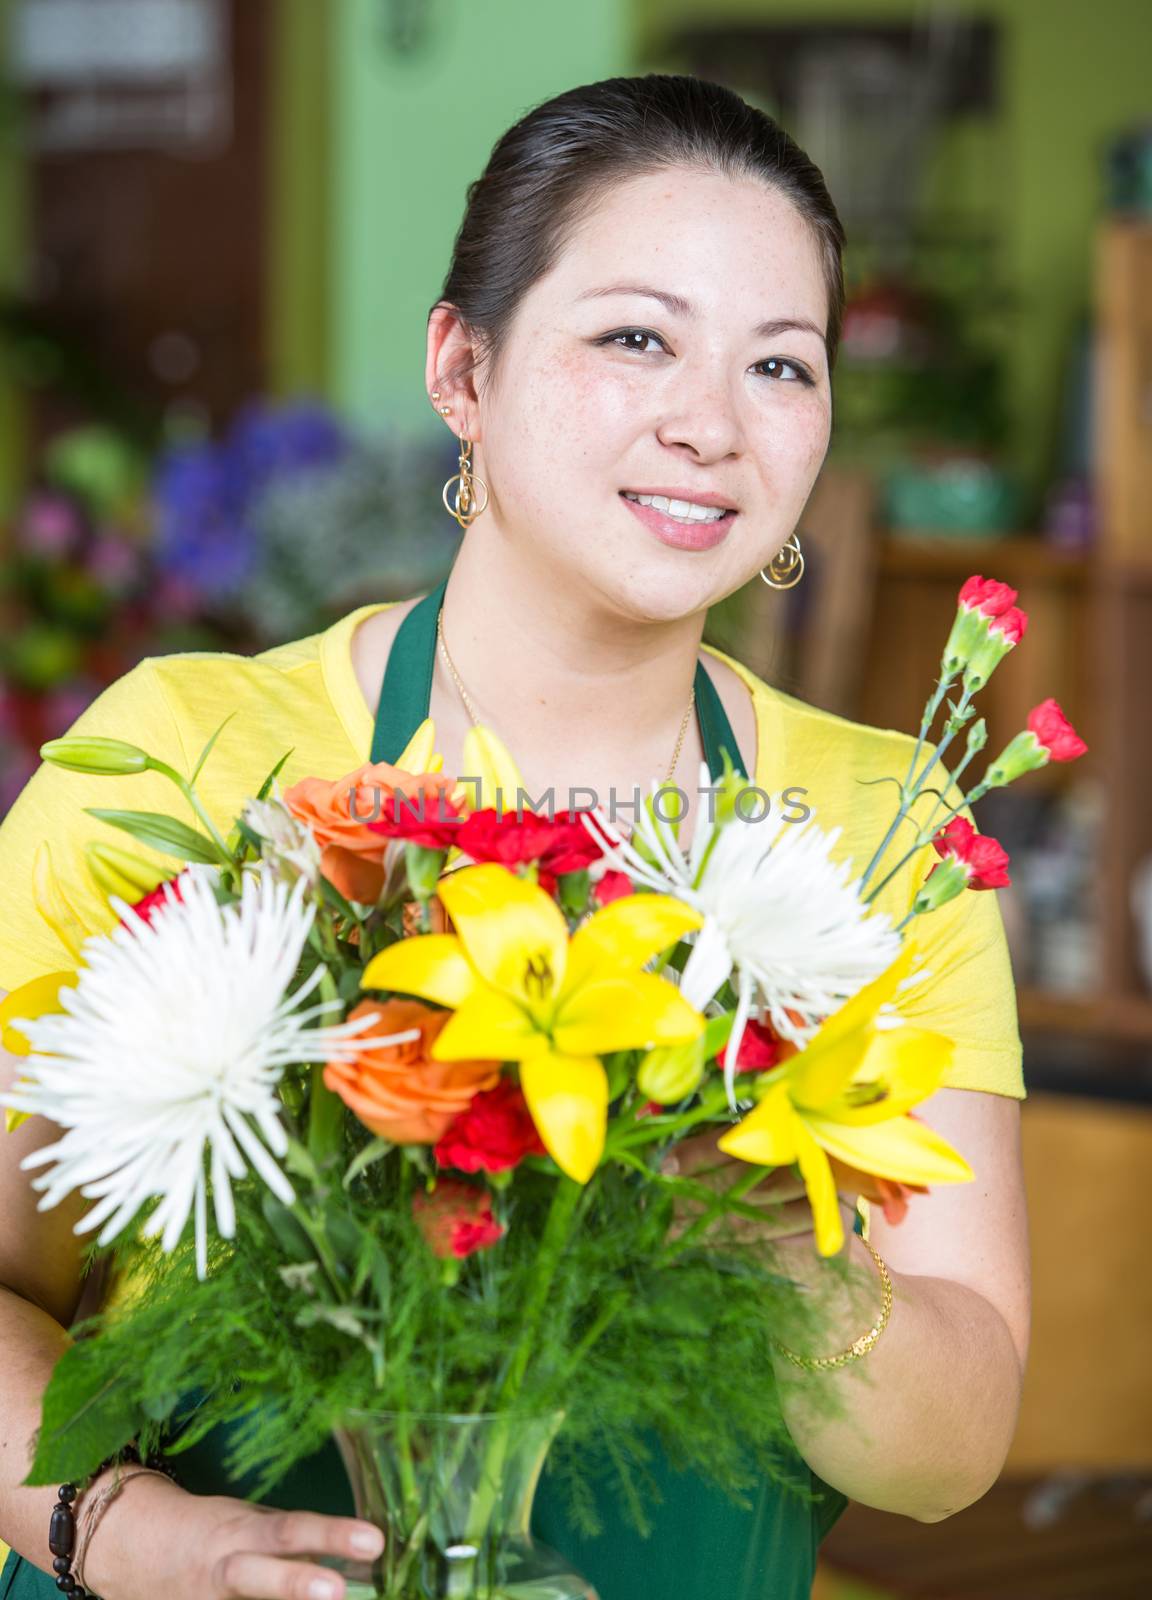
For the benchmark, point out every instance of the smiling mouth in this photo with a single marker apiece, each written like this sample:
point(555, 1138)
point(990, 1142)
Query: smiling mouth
point(689, 512)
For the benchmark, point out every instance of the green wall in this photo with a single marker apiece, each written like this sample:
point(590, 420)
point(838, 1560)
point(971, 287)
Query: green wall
point(298, 303)
point(409, 135)
point(13, 233)
point(1072, 75)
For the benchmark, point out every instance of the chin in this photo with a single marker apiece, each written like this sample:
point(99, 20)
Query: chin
point(650, 592)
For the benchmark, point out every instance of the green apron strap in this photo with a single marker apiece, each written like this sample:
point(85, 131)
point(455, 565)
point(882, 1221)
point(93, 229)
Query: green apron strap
point(406, 693)
point(715, 729)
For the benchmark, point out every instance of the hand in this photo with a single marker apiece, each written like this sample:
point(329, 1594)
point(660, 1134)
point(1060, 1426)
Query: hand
point(780, 1193)
point(212, 1547)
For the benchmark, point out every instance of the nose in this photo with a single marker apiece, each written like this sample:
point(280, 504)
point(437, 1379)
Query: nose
point(701, 415)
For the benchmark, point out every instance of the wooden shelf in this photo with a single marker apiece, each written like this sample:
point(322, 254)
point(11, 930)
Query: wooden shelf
point(1119, 1017)
point(1013, 559)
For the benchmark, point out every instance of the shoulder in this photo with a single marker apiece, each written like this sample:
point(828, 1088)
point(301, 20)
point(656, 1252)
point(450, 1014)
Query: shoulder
point(799, 744)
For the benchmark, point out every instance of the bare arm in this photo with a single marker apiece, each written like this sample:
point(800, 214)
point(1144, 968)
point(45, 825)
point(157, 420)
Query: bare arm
point(155, 1538)
point(927, 1430)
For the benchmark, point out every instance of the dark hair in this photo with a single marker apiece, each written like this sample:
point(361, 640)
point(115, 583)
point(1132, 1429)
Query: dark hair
point(557, 161)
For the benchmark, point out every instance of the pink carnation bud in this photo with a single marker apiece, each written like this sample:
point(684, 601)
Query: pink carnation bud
point(983, 860)
point(987, 595)
point(1012, 624)
point(1053, 730)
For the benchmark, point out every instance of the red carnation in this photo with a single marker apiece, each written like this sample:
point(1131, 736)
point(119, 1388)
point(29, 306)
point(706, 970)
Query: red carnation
point(156, 899)
point(1011, 624)
point(558, 844)
point(612, 886)
point(760, 1048)
point(456, 1219)
point(982, 859)
point(436, 826)
point(986, 595)
point(1053, 730)
point(494, 1134)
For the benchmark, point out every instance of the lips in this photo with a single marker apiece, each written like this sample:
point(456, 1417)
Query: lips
point(678, 534)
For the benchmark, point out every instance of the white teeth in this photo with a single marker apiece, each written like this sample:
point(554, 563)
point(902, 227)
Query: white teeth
point(682, 510)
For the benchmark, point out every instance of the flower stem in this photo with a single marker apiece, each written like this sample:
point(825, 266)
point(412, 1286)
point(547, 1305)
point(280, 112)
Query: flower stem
point(564, 1203)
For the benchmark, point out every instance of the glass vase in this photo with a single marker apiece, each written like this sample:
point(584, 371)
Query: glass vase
point(453, 1496)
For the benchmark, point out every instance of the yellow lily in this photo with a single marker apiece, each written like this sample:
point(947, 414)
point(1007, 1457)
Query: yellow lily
point(55, 907)
point(523, 990)
point(846, 1094)
point(488, 759)
point(420, 753)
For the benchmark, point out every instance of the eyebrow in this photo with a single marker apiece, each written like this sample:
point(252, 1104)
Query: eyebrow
point(679, 307)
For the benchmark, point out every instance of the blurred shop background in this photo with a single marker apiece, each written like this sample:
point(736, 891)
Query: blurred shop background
point(222, 223)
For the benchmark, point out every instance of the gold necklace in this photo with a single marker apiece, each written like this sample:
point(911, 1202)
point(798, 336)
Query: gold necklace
point(471, 709)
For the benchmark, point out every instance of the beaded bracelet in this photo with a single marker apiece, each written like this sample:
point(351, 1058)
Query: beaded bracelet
point(858, 1347)
point(62, 1528)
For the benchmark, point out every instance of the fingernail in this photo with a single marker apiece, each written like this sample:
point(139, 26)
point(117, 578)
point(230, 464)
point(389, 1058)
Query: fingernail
point(367, 1541)
point(321, 1589)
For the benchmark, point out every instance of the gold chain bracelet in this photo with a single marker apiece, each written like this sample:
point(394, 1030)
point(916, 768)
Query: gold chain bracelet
point(858, 1347)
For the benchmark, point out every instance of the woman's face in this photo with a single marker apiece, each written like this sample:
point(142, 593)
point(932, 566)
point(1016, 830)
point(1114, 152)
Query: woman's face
point(712, 387)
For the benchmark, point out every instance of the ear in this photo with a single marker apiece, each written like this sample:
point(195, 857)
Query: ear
point(451, 351)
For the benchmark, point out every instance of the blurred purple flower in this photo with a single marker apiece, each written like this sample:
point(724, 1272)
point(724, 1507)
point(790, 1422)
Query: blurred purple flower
point(207, 492)
point(50, 525)
point(115, 563)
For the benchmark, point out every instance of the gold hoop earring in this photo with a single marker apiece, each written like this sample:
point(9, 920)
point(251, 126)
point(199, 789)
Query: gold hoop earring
point(786, 567)
point(464, 507)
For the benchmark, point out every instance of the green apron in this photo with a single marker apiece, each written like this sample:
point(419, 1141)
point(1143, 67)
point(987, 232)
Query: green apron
point(701, 1544)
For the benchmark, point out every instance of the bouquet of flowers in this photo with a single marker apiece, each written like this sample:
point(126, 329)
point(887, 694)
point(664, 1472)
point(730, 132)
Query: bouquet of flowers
point(374, 1098)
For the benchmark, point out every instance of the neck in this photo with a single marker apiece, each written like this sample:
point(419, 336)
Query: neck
point(540, 659)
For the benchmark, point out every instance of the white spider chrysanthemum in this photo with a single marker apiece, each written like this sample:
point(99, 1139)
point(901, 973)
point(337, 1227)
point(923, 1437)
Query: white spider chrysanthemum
point(290, 848)
point(778, 912)
point(168, 1052)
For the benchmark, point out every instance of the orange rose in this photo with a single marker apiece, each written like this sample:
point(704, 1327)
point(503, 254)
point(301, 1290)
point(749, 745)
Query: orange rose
point(398, 1091)
point(340, 815)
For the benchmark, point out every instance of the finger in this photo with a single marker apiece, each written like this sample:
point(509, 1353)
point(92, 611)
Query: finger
point(308, 1533)
point(247, 1575)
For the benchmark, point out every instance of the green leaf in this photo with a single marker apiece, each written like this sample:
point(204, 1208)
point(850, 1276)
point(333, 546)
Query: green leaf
point(364, 1159)
point(345, 1236)
point(290, 1236)
point(374, 1265)
point(86, 1416)
point(716, 1033)
point(300, 1163)
point(204, 754)
point(166, 834)
point(265, 788)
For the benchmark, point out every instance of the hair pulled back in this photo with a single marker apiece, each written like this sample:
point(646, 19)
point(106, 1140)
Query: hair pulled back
point(554, 165)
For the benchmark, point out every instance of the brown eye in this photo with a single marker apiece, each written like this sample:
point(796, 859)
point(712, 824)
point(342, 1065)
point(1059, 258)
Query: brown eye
point(786, 371)
point(642, 334)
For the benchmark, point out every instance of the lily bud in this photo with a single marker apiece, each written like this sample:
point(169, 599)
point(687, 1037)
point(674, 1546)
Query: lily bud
point(671, 1072)
point(119, 872)
point(728, 791)
point(110, 758)
point(424, 867)
point(573, 890)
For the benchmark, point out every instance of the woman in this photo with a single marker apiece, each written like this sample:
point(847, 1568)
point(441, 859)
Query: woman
point(636, 334)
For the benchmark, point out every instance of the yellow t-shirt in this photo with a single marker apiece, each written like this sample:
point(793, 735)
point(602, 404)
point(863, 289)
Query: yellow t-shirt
point(305, 696)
